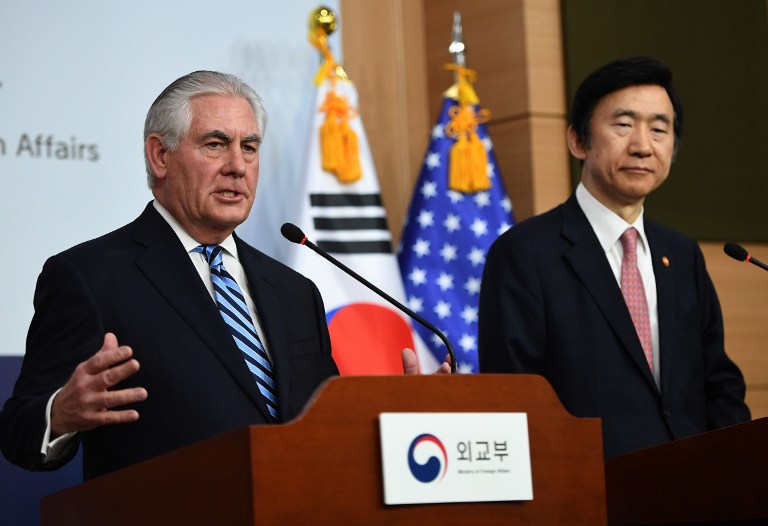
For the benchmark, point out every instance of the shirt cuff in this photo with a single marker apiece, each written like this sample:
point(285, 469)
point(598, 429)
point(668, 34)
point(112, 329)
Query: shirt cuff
point(53, 449)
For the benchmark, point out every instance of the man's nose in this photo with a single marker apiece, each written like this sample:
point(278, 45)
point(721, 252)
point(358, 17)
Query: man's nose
point(640, 143)
point(235, 165)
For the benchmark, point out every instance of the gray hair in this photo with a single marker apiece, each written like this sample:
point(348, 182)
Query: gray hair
point(170, 116)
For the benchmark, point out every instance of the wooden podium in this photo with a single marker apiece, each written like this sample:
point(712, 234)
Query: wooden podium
point(325, 466)
point(713, 478)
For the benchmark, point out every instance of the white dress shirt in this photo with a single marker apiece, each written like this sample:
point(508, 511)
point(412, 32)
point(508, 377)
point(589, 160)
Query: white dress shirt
point(608, 228)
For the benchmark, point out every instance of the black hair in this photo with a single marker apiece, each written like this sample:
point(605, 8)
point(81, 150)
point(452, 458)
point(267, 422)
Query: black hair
point(617, 75)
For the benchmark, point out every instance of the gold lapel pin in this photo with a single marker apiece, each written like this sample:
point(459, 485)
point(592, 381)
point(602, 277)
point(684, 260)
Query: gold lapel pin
point(665, 261)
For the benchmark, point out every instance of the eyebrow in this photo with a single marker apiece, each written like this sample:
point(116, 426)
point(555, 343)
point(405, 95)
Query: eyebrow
point(663, 117)
point(218, 134)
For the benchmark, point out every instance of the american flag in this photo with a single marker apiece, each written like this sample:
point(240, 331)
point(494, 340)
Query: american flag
point(444, 243)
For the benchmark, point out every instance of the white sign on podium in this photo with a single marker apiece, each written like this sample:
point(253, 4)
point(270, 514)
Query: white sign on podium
point(455, 457)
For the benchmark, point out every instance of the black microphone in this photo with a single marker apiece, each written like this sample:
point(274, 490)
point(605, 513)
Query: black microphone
point(294, 234)
point(740, 253)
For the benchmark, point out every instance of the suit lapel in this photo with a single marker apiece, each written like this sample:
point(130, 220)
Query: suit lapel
point(268, 305)
point(587, 258)
point(166, 264)
point(665, 298)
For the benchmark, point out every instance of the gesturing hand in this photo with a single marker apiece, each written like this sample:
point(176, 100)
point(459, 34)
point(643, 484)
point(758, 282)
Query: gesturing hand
point(85, 401)
point(411, 363)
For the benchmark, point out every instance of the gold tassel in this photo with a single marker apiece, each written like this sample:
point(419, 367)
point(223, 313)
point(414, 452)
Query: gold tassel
point(469, 159)
point(339, 150)
point(351, 170)
point(338, 141)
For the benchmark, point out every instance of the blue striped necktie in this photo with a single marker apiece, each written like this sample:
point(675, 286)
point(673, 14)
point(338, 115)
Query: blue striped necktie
point(234, 310)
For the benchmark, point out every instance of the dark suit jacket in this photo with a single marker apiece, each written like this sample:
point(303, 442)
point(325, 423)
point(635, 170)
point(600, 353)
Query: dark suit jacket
point(139, 283)
point(551, 305)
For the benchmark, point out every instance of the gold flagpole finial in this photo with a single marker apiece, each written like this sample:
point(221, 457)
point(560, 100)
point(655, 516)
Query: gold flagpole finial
point(323, 22)
point(339, 149)
point(323, 19)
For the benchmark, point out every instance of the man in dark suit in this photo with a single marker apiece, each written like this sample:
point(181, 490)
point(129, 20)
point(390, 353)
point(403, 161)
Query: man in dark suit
point(616, 311)
point(147, 294)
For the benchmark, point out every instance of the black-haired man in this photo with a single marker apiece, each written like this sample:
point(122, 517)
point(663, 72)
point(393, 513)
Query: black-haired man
point(616, 311)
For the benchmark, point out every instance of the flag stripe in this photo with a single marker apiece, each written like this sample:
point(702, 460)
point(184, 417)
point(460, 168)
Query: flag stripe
point(350, 223)
point(348, 211)
point(345, 200)
point(356, 247)
point(354, 235)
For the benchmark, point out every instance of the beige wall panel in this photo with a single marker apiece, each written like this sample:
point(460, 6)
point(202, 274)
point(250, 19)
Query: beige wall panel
point(536, 179)
point(550, 163)
point(547, 106)
point(384, 54)
point(511, 143)
point(757, 400)
point(493, 34)
point(743, 292)
point(544, 58)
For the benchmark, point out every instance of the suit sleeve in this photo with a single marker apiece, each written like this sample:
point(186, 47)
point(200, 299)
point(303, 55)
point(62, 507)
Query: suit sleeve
point(65, 330)
point(512, 328)
point(725, 387)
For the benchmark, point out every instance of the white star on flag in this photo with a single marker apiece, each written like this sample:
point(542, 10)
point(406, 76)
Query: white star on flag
point(476, 256)
point(445, 281)
point(452, 223)
point(415, 304)
point(418, 276)
point(443, 309)
point(448, 252)
point(433, 161)
point(482, 199)
point(455, 197)
point(429, 189)
point(421, 247)
point(479, 227)
point(468, 343)
point(472, 286)
point(426, 218)
point(469, 314)
point(466, 368)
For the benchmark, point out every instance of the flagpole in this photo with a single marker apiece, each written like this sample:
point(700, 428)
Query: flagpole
point(457, 47)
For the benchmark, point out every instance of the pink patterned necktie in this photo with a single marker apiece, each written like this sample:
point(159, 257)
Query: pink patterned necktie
point(634, 293)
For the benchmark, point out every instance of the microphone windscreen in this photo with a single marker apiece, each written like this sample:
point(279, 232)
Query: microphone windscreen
point(736, 251)
point(292, 233)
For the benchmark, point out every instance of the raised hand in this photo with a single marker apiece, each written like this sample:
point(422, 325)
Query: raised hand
point(86, 401)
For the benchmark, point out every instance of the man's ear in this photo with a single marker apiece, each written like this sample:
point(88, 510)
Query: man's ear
point(157, 154)
point(575, 144)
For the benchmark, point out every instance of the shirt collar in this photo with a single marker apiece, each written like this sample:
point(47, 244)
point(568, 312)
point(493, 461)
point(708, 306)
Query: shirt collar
point(188, 241)
point(607, 225)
